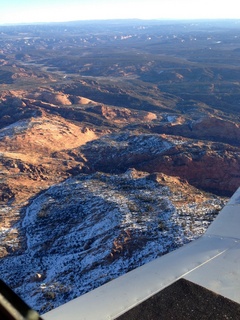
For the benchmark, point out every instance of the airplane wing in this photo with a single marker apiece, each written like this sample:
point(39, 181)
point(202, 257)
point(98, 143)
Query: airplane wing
point(210, 263)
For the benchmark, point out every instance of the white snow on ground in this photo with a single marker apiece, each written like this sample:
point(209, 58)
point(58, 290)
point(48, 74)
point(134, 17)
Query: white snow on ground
point(15, 128)
point(93, 228)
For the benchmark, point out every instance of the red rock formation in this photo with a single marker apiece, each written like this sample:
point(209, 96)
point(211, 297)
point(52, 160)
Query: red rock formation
point(207, 127)
point(215, 169)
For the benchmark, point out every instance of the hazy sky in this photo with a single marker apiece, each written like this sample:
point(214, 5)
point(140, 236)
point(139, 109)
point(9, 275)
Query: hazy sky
point(13, 11)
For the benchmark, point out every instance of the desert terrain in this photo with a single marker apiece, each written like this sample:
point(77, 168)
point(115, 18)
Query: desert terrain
point(119, 142)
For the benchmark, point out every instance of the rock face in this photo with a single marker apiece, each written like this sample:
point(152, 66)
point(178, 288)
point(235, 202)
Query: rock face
point(213, 166)
point(205, 169)
point(44, 135)
point(207, 127)
point(122, 115)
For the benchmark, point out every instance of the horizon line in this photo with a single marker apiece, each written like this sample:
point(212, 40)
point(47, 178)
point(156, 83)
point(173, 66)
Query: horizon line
point(116, 20)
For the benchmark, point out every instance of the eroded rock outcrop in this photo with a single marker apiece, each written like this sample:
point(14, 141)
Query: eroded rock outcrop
point(209, 166)
point(205, 127)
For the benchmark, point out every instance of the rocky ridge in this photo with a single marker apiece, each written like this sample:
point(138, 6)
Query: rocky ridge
point(91, 228)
